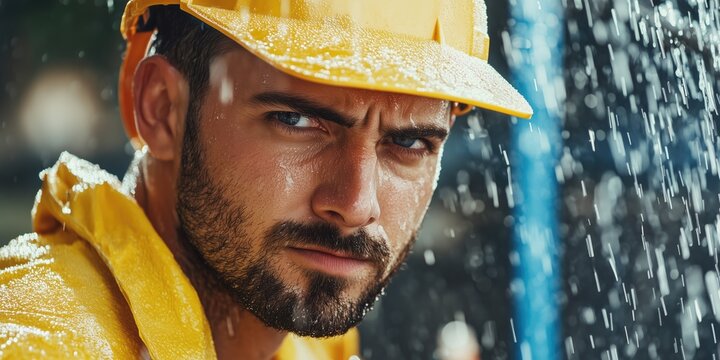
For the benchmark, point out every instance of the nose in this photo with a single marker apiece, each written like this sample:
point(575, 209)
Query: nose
point(348, 196)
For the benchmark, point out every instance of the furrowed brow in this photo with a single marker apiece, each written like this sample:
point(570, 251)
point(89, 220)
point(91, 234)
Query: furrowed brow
point(304, 106)
point(420, 131)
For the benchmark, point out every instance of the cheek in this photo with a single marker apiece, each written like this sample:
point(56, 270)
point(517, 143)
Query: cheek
point(270, 180)
point(403, 205)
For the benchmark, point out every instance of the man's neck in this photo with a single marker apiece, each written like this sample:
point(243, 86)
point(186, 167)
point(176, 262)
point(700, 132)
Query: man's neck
point(236, 332)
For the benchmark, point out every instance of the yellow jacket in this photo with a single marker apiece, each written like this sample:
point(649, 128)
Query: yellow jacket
point(96, 281)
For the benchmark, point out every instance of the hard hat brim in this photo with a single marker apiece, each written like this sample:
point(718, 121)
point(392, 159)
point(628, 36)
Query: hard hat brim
point(334, 52)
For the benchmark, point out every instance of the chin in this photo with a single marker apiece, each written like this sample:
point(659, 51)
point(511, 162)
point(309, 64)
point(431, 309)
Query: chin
point(322, 306)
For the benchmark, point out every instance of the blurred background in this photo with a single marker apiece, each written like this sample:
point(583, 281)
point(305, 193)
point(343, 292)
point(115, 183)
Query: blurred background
point(630, 105)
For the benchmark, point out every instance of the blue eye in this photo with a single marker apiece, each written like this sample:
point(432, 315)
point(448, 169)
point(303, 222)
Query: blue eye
point(409, 142)
point(294, 119)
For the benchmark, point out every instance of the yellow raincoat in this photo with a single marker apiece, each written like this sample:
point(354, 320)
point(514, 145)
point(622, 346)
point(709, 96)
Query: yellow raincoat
point(96, 281)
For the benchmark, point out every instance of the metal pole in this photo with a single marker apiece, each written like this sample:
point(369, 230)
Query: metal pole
point(537, 37)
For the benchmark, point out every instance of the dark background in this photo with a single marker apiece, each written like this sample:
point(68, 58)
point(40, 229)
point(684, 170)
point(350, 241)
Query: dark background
point(614, 80)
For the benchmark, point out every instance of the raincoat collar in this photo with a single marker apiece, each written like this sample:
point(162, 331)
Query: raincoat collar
point(79, 197)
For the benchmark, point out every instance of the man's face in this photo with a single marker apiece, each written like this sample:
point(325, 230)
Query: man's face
point(303, 198)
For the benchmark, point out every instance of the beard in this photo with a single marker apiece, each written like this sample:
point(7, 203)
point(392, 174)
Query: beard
point(245, 267)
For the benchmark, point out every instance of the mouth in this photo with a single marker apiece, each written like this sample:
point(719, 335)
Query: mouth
point(329, 261)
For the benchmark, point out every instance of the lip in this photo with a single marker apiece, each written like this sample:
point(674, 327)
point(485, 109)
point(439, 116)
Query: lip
point(328, 261)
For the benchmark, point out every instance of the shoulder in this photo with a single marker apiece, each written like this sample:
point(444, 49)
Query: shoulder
point(58, 299)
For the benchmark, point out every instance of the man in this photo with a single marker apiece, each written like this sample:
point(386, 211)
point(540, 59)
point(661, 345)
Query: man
point(290, 151)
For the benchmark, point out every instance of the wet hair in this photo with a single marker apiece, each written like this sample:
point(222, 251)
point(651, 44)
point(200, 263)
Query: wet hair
point(189, 45)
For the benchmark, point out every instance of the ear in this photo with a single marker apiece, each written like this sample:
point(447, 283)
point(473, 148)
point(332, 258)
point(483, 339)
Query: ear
point(160, 95)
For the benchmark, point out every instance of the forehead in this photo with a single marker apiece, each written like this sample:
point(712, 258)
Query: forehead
point(251, 75)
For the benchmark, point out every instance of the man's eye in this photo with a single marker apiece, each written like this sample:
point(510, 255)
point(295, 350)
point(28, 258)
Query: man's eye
point(409, 142)
point(294, 119)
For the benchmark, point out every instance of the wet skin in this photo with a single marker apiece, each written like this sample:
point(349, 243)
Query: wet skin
point(290, 150)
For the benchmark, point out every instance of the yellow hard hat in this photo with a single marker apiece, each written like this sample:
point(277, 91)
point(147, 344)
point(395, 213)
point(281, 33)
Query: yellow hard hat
point(432, 48)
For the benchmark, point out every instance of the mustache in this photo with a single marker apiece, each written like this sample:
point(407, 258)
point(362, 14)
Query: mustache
point(359, 244)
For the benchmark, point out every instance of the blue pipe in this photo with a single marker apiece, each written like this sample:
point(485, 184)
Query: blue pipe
point(537, 67)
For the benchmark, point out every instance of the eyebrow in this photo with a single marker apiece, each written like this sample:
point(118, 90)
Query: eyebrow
point(419, 131)
point(303, 106)
point(311, 108)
